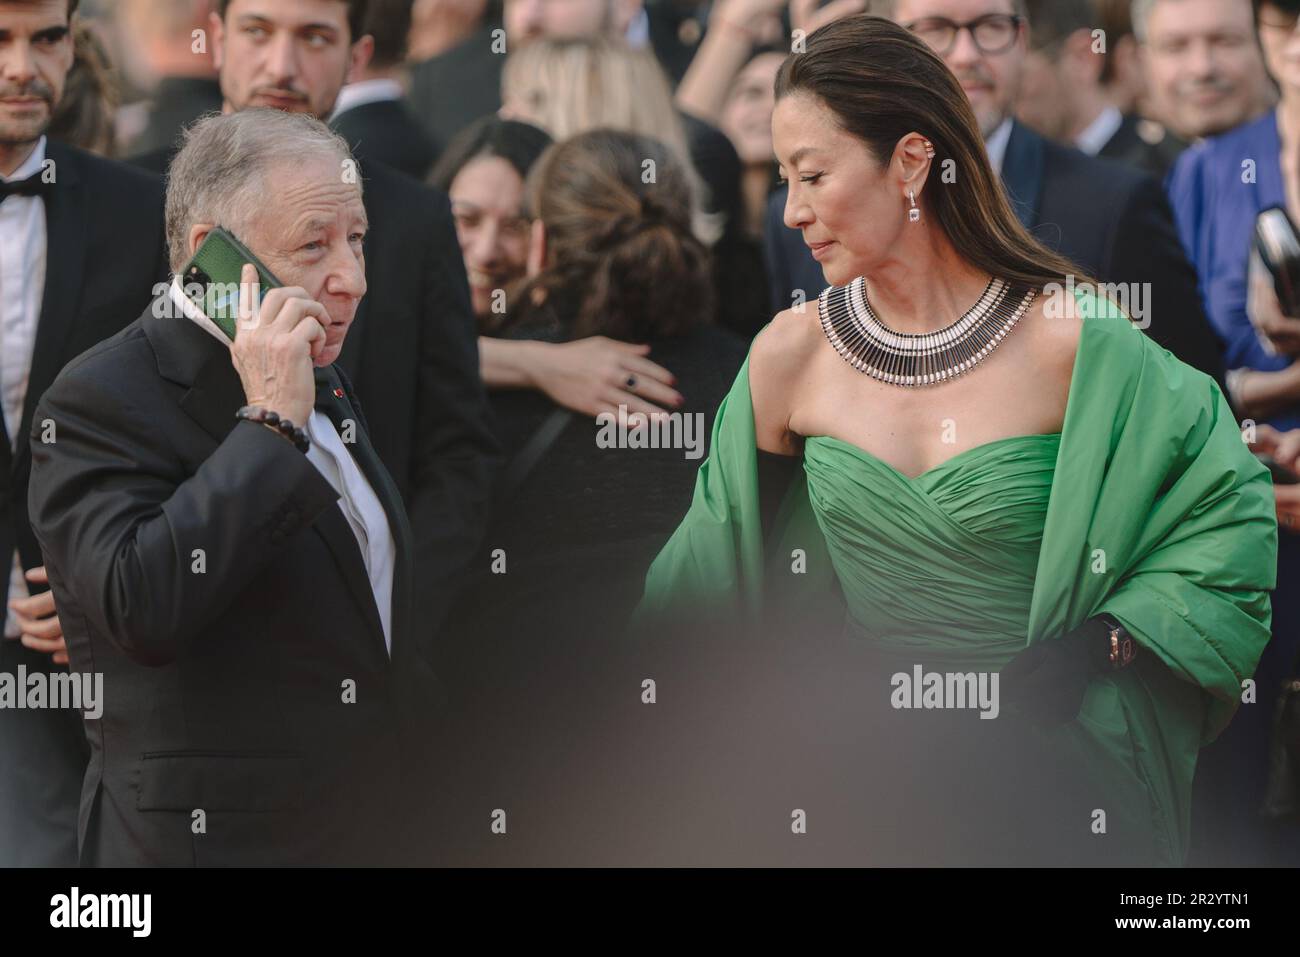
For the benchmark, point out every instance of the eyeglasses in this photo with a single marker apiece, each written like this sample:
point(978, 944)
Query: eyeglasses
point(992, 33)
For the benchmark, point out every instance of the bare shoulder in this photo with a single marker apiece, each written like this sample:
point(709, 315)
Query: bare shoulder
point(1055, 332)
point(779, 361)
point(782, 350)
point(787, 341)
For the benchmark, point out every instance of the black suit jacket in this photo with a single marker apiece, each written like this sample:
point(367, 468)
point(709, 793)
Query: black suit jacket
point(387, 131)
point(453, 89)
point(1144, 144)
point(413, 353)
point(1113, 221)
point(177, 102)
point(205, 568)
point(96, 209)
point(105, 252)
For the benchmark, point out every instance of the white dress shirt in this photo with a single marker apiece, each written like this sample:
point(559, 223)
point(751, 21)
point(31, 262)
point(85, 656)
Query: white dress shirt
point(360, 505)
point(996, 144)
point(1100, 131)
point(366, 91)
point(22, 283)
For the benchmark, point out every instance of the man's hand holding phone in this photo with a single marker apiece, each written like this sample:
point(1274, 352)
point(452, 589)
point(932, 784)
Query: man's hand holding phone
point(1279, 333)
point(277, 338)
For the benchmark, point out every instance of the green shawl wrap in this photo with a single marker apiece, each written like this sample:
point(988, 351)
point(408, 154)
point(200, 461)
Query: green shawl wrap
point(1158, 514)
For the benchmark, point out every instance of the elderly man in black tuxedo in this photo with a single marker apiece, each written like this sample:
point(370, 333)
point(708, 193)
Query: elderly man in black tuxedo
point(225, 544)
point(66, 218)
point(1115, 222)
point(413, 350)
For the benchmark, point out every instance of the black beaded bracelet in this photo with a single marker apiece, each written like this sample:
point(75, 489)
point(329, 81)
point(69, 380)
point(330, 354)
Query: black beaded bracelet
point(255, 413)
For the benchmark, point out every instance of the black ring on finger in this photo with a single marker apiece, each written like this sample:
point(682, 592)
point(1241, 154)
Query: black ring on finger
point(631, 382)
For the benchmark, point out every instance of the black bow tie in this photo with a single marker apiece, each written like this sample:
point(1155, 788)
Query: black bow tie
point(33, 185)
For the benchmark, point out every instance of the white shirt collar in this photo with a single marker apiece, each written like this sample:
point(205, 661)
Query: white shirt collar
point(193, 312)
point(1100, 131)
point(638, 30)
point(996, 144)
point(367, 91)
point(31, 166)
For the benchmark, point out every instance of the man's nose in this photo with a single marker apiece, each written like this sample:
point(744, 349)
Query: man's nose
point(530, 12)
point(965, 52)
point(348, 275)
point(282, 58)
point(18, 65)
point(1201, 60)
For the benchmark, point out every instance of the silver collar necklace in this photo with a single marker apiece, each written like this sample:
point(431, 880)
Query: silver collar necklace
point(907, 360)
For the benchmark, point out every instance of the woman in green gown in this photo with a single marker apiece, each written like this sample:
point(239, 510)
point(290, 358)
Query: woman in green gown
point(1027, 485)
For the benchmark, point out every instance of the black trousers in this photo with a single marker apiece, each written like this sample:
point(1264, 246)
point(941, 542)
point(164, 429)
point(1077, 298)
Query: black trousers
point(43, 755)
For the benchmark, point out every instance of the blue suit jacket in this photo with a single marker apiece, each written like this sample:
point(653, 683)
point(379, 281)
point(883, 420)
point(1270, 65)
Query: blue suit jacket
point(1217, 188)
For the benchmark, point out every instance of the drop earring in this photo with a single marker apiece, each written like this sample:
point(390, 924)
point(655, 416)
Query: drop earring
point(913, 214)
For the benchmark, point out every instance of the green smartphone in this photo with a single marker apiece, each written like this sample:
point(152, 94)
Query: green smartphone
point(211, 278)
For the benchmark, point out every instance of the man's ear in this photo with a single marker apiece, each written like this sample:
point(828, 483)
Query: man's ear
point(1128, 70)
point(536, 249)
point(1081, 61)
point(198, 233)
point(218, 44)
point(362, 52)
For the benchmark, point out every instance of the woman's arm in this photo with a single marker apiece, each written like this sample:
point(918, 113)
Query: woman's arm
point(735, 28)
point(1258, 395)
point(592, 375)
point(509, 363)
point(776, 360)
point(722, 53)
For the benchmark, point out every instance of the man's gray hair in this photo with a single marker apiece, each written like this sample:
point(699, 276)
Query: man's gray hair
point(218, 176)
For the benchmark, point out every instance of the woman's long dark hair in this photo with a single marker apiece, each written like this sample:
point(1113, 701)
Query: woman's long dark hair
point(881, 82)
point(519, 144)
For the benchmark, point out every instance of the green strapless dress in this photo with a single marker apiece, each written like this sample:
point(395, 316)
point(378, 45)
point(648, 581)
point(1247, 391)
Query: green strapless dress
point(1147, 505)
point(968, 530)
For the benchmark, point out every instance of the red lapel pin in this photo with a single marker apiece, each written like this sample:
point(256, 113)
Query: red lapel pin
point(338, 393)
